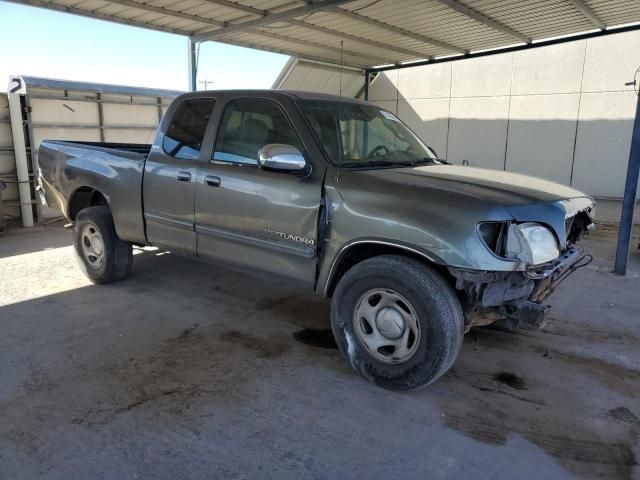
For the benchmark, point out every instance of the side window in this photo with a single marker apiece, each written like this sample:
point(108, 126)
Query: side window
point(323, 119)
point(247, 126)
point(183, 138)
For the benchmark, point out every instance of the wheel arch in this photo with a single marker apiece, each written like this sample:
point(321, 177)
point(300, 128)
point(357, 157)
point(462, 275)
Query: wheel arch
point(358, 250)
point(84, 197)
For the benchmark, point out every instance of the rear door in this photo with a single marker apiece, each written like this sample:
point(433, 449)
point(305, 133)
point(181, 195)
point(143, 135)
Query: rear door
point(253, 218)
point(170, 176)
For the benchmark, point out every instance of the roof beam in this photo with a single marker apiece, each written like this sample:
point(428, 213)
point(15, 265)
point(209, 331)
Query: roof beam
point(167, 11)
point(238, 6)
point(354, 38)
point(399, 31)
point(485, 20)
point(318, 28)
point(96, 15)
point(587, 12)
point(334, 67)
point(268, 18)
point(341, 51)
point(634, 27)
point(302, 56)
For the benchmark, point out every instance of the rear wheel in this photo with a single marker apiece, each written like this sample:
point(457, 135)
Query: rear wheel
point(103, 257)
point(397, 322)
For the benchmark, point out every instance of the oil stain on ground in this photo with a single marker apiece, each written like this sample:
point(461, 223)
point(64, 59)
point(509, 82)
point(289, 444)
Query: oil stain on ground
point(322, 338)
point(510, 379)
point(261, 347)
point(300, 310)
point(184, 374)
point(493, 418)
point(491, 405)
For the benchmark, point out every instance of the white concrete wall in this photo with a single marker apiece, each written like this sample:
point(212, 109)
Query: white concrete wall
point(561, 112)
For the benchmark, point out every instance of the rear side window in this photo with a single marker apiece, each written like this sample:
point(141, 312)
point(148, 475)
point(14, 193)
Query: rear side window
point(183, 138)
point(247, 126)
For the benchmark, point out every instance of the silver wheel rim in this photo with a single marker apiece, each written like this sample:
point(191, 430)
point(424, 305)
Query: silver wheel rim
point(386, 325)
point(92, 245)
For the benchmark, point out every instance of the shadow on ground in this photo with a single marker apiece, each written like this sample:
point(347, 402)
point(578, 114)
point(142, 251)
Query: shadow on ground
point(186, 370)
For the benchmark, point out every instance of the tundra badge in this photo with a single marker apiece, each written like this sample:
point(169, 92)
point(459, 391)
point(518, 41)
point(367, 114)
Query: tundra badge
point(289, 236)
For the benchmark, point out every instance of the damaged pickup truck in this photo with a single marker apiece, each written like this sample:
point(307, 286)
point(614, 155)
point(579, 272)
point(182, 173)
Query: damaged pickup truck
point(337, 194)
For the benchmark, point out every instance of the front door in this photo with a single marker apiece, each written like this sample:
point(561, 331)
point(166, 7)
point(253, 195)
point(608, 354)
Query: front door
point(170, 176)
point(253, 218)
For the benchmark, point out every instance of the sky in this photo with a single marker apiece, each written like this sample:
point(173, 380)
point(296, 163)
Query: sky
point(44, 43)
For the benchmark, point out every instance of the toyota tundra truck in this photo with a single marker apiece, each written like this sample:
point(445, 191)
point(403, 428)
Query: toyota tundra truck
point(336, 194)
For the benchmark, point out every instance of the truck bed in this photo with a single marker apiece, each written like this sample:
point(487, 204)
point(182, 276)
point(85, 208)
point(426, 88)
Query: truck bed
point(142, 148)
point(68, 169)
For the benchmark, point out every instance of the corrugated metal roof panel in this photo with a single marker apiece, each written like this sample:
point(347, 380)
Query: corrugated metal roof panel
point(333, 42)
point(535, 20)
point(318, 51)
point(56, 84)
point(615, 12)
point(412, 29)
point(314, 77)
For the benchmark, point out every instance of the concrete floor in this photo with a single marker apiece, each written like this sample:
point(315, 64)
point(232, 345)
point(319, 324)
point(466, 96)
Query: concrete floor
point(185, 370)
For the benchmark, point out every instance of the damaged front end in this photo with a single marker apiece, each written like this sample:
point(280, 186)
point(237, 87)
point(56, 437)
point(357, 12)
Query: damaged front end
point(515, 299)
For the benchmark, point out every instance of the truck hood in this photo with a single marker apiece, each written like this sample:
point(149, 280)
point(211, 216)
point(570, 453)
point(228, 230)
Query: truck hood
point(503, 188)
point(450, 197)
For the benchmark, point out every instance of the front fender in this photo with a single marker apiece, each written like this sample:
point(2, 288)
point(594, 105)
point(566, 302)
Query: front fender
point(335, 256)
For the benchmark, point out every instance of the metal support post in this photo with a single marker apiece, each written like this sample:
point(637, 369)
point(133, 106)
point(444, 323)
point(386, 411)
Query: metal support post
point(629, 200)
point(366, 84)
point(193, 66)
point(20, 151)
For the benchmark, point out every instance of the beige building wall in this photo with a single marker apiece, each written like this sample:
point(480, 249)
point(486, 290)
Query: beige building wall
point(561, 112)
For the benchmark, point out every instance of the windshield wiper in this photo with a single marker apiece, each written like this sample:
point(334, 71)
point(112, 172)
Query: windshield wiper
point(377, 163)
point(393, 163)
point(430, 161)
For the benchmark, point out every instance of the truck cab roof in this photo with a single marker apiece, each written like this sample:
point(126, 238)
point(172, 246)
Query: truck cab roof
point(267, 93)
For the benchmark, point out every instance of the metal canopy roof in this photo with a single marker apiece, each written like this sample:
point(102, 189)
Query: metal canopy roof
point(363, 33)
point(56, 84)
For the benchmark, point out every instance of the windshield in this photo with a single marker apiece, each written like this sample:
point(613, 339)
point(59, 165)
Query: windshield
point(358, 135)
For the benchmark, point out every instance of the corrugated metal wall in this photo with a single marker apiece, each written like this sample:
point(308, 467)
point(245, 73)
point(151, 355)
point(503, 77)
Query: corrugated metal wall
point(57, 110)
point(76, 117)
point(560, 112)
point(7, 163)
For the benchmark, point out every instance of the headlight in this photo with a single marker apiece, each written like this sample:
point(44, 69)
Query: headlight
point(531, 243)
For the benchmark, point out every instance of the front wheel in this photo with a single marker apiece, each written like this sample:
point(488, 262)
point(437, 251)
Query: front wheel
point(397, 322)
point(103, 257)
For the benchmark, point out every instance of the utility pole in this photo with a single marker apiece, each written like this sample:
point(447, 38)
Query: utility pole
point(206, 83)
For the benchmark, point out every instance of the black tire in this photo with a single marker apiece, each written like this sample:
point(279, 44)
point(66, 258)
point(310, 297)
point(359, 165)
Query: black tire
point(436, 307)
point(117, 258)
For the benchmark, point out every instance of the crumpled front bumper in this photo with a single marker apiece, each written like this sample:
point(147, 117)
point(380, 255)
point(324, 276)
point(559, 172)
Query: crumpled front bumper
point(514, 300)
point(548, 279)
point(531, 313)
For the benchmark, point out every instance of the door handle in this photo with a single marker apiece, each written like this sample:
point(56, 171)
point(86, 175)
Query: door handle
point(212, 181)
point(184, 177)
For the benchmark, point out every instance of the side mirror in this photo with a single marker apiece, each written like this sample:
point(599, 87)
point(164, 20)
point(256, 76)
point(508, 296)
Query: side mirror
point(285, 158)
